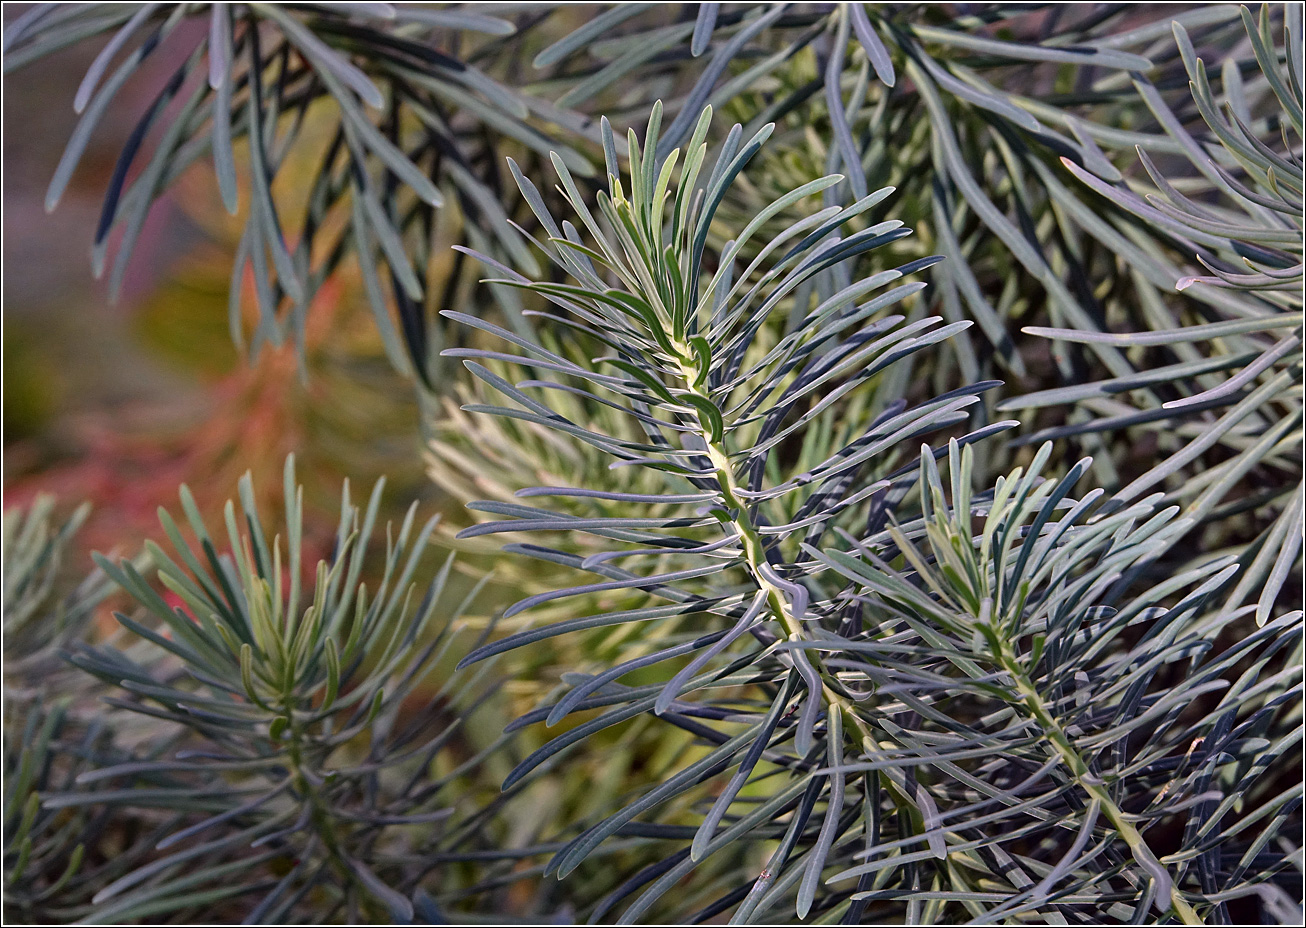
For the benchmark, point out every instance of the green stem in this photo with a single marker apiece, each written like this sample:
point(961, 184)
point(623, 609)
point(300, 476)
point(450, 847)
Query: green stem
point(755, 558)
point(324, 823)
point(1071, 757)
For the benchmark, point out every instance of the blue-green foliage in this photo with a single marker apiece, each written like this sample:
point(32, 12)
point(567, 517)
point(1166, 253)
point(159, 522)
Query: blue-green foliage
point(900, 660)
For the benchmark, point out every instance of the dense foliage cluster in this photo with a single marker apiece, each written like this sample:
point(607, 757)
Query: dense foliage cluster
point(894, 414)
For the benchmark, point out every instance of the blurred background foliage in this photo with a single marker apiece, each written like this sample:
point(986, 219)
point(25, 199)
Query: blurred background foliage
point(119, 403)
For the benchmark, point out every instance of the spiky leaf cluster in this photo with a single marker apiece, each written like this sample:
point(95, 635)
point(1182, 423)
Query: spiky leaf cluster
point(739, 426)
point(293, 697)
point(794, 670)
point(1242, 219)
point(1112, 699)
point(41, 614)
point(989, 142)
point(883, 698)
point(54, 860)
point(410, 106)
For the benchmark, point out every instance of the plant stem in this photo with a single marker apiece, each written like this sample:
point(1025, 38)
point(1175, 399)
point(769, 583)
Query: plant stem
point(755, 558)
point(1065, 748)
point(324, 824)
